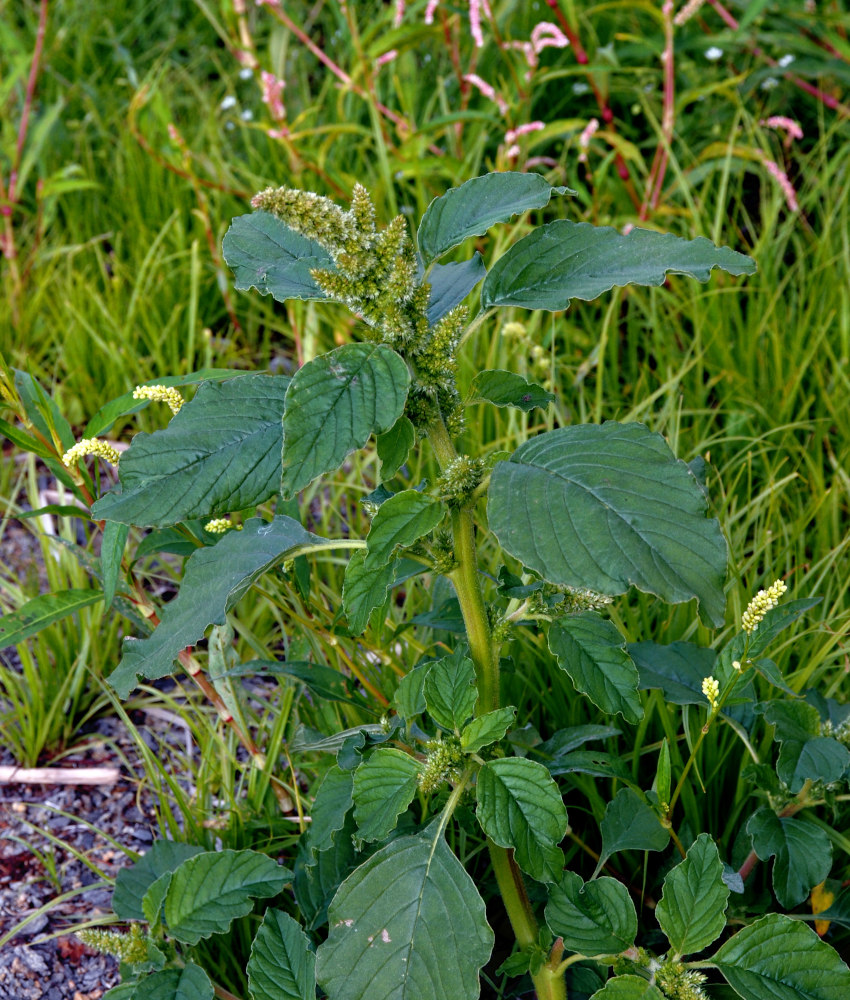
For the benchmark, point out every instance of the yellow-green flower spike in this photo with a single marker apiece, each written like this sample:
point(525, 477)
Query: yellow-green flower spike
point(160, 394)
point(128, 948)
point(218, 526)
point(760, 605)
point(90, 446)
point(711, 689)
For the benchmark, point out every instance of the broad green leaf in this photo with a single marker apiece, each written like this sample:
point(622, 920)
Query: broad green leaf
point(42, 611)
point(209, 891)
point(154, 897)
point(591, 650)
point(472, 208)
point(330, 807)
point(519, 806)
point(608, 507)
point(794, 720)
point(803, 853)
point(408, 923)
point(132, 883)
point(112, 544)
point(409, 698)
point(821, 759)
point(264, 253)
point(364, 588)
point(124, 991)
point(692, 908)
point(451, 283)
point(597, 918)
point(220, 453)
point(188, 983)
point(450, 692)
point(318, 878)
point(282, 965)
point(486, 729)
point(508, 389)
point(628, 988)
point(678, 669)
point(384, 786)
point(778, 958)
point(575, 260)
point(402, 520)
point(629, 824)
point(332, 406)
point(394, 446)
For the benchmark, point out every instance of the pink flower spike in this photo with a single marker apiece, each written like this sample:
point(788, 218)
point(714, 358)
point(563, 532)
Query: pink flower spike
point(272, 95)
point(548, 35)
point(277, 133)
point(783, 124)
point(387, 57)
point(781, 179)
point(268, 3)
point(512, 152)
point(476, 9)
point(398, 17)
point(584, 139)
point(515, 133)
point(487, 91)
point(431, 10)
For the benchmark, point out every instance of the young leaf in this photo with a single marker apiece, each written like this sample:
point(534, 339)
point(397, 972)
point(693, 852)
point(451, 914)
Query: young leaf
point(629, 824)
point(472, 208)
point(451, 283)
point(409, 698)
point(450, 692)
point(519, 806)
point(364, 588)
point(188, 983)
point(332, 406)
point(597, 918)
point(607, 507)
point(401, 520)
point(692, 908)
point(407, 923)
point(663, 773)
point(778, 958)
point(591, 650)
point(209, 891)
point(132, 883)
point(508, 389)
point(282, 965)
point(266, 254)
point(486, 729)
point(628, 988)
point(384, 786)
point(575, 260)
point(394, 446)
point(42, 611)
point(220, 453)
point(803, 853)
point(154, 897)
point(214, 580)
point(678, 669)
point(330, 807)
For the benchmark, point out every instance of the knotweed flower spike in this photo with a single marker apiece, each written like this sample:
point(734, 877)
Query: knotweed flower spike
point(218, 526)
point(711, 689)
point(160, 394)
point(90, 446)
point(760, 605)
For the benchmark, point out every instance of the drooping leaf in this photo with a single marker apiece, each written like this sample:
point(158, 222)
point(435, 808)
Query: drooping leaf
point(364, 588)
point(209, 891)
point(384, 786)
point(330, 807)
point(508, 389)
point(571, 738)
point(628, 988)
point(451, 283)
point(591, 650)
point(394, 446)
point(266, 254)
point(609, 507)
point(777, 958)
point(112, 544)
point(282, 965)
point(678, 669)
point(472, 208)
point(519, 806)
point(332, 406)
point(133, 882)
point(486, 729)
point(692, 908)
point(575, 260)
point(214, 580)
point(802, 851)
point(402, 520)
point(629, 824)
point(188, 983)
point(407, 923)
point(219, 454)
point(597, 918)
point(39, 612)
point(450, 692)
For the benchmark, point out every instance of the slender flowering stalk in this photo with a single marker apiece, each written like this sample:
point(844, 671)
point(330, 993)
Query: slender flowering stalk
point(760, 605)
point(783, 181)
point(476, 9)
point(791, 128)
point(160, 394)
point(584, 139)
point(90, 446)
point(431, 10)
point(487, 90)
point(687, 12)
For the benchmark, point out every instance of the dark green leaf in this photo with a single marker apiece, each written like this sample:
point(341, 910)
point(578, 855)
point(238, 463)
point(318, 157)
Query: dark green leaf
point(678, 669)
point(472, 208)
point(591, 650)
point(42, 611)
point(165, 540)
point(608, 507)
point(26, 442)
point(628, 988)
point(42, 410)
point(803, 853)
point(394, 446)
point(326, 682)
point(519, 806)
point(447, 617)
point(451, 283)
point(364, 588)
point(629, 824)
point(575, 260)
point(486, 729)
point(282, 965)
point(384, 786)
point(188, 983)
point(132, 883)
point(332, 406)
point(220, 453)
point(572, 738)
point(450, 692)
point(409, 698)
point(821, 759)
point(60, 510)
point(508, 389)
point(598, 918)
point(407, 923)
point(794, 720)
point(330, 807)
point(111, 553)
point(266, 254)
point(402, 520)
point(154, 897)
point(692, 908)
point(214, 580)
point(777, 958)
point(595, 762)
point(307, 740)
point(318, 878)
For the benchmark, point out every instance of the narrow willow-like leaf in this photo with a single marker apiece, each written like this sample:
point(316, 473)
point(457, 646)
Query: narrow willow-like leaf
point(597, 918)
point(132, 883)
point(209, 891)
point(282, 965)
point(112, 544)
point(692, 908)
point(519, 806)
point(402, 520)
point(472, 208)
point(628, 988)
point(42, 411)
point(407, 924)
point(608, 507)
point(591, 650)
point(323, 681)
point(266, 254)
point(777, 958)
point(42, 611)
point(629, 824)
point(450, 691)
point(508, 389)
point(451, 283)
point(486, 729)
point(384, 786)
point(575, 260)
point(332, 406)
point(188, 983)
point(214, 580)
point(394, 447)
point(803, 853)
point(220, 453)
point(364, 588)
